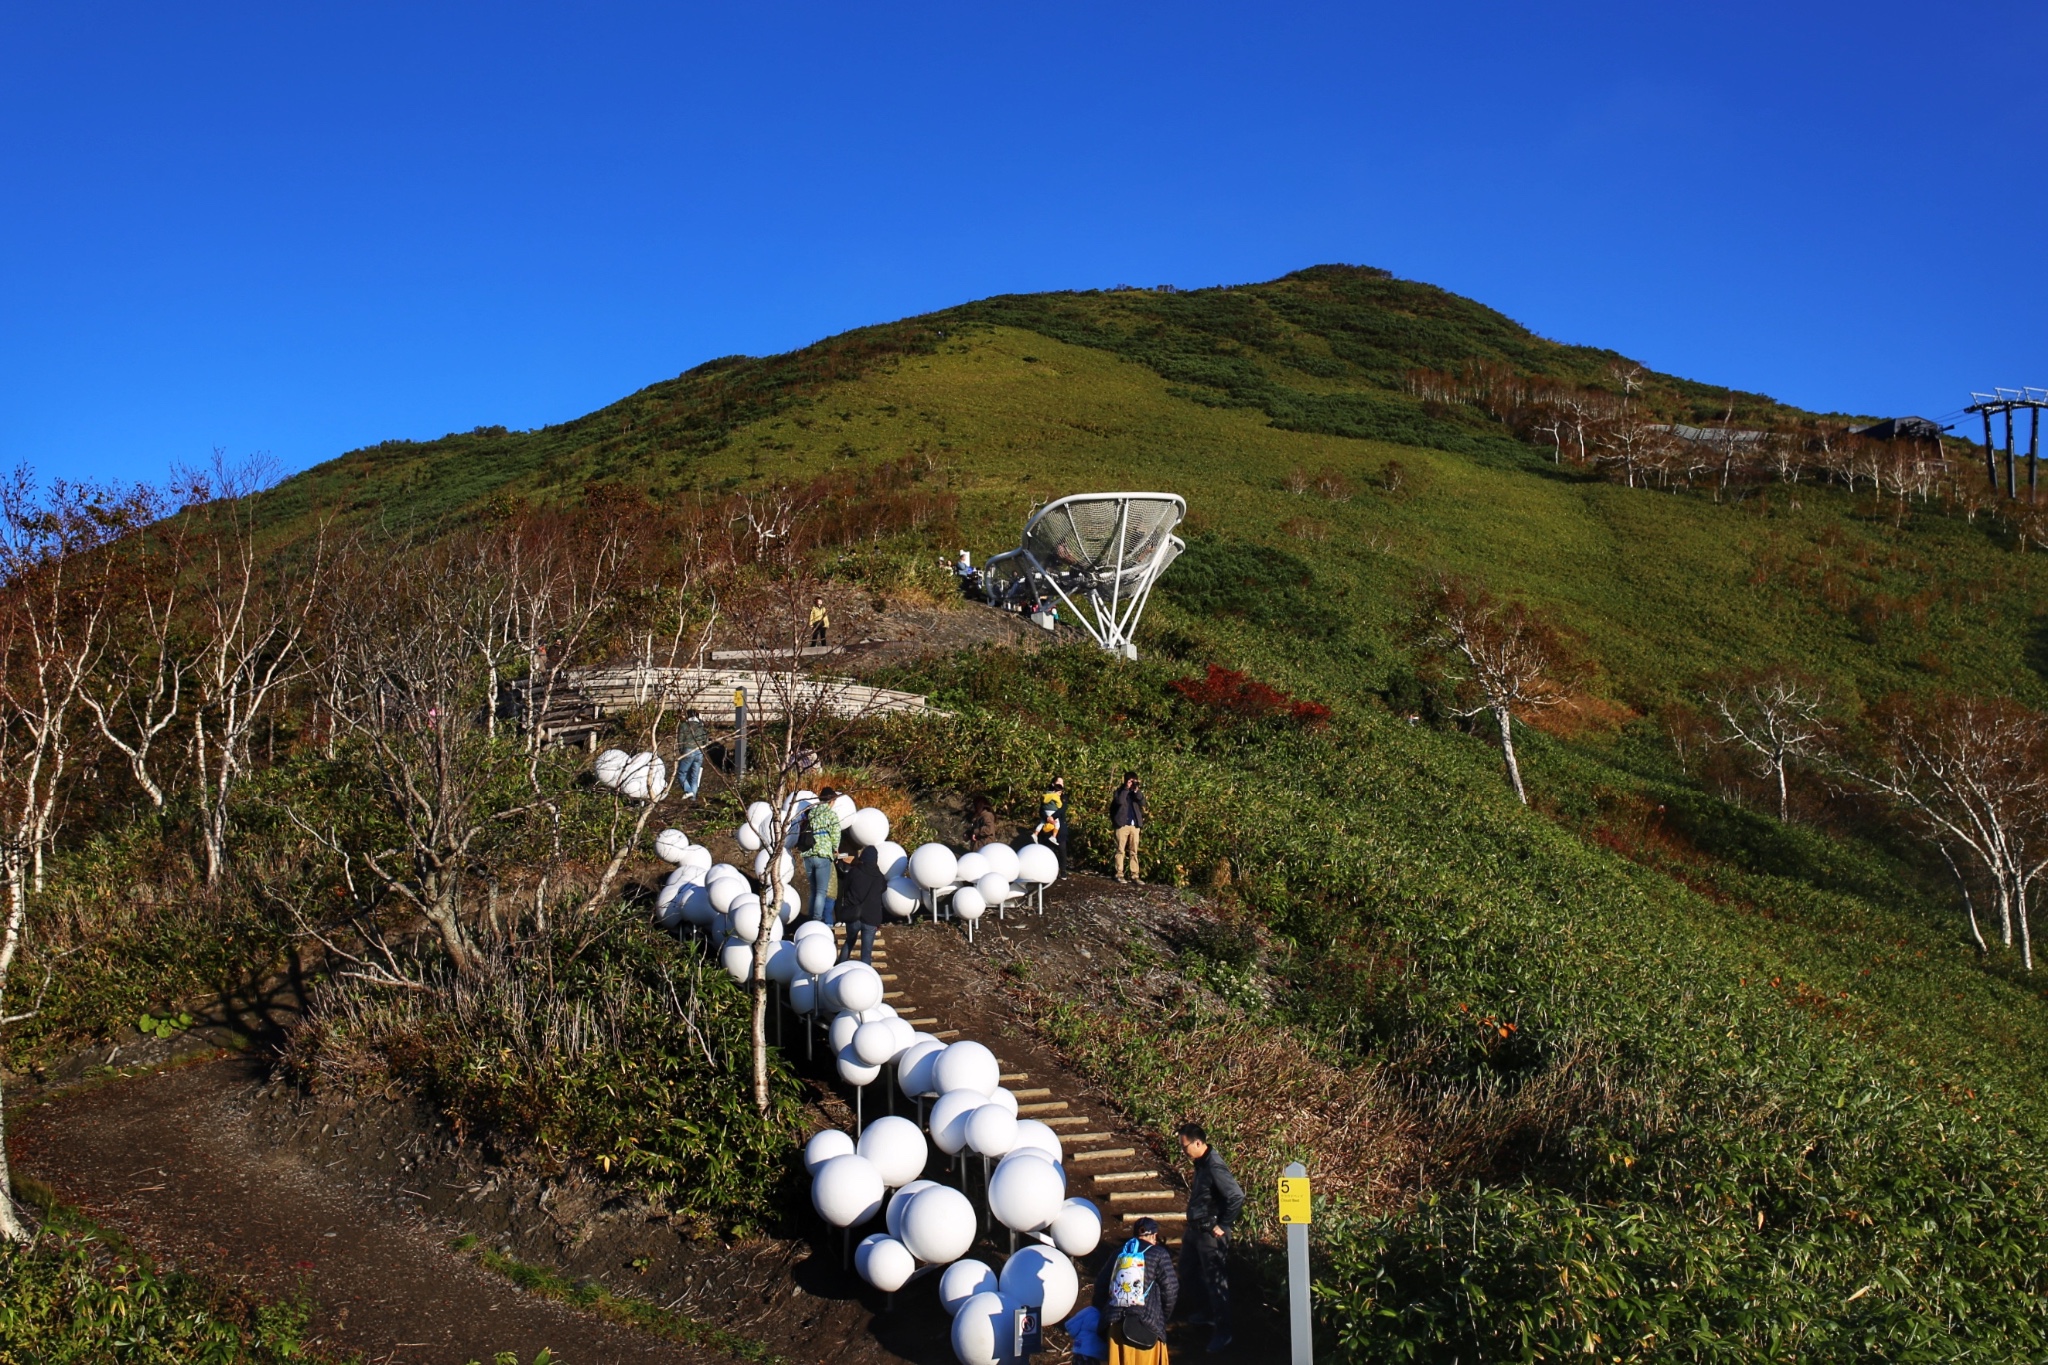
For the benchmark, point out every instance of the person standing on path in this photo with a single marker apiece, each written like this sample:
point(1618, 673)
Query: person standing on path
point(821, 621)
point(1214, 1201)
point(860, 899)
point(691, 739)
point(1135, 1293)
point(981, 824)
point(818, 840)
point(1126, 819)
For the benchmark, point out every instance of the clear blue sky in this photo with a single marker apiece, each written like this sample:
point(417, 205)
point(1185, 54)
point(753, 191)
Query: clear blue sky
point(298, 229)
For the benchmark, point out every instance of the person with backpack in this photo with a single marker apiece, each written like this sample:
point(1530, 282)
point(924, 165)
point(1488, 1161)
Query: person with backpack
point(860, 902)
point(817, 840)
point(1135, 1291)
point(1126, 819)
point(1214, 1201)
point(691, 739)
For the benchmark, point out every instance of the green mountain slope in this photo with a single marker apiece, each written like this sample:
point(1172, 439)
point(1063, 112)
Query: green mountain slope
point(1761, 1101)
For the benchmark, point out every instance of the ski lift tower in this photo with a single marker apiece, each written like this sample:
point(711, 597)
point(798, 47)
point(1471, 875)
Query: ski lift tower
point(1100, 553)
point(2008, 402)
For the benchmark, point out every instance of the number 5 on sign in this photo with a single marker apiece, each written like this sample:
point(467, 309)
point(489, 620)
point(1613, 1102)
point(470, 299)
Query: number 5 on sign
point(1294, 1199)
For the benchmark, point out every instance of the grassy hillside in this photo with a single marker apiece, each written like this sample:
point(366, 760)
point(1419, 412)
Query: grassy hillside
point(1759, 1098)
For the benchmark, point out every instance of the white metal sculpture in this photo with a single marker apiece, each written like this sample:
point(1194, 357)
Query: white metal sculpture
point(1100, 553)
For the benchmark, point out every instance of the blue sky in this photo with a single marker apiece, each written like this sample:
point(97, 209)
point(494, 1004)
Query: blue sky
point(297, 229)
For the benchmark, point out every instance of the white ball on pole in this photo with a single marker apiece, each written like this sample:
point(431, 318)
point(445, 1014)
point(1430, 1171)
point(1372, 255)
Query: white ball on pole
point(782, 963)
point(948, 1119)
point(967, 1065)
point(803, 995)
point(962, 1280)
point(969, 904)
point(724, 891)
point(981, 1330)
point(892, 1217)
point(1037, 864)
point(854, 1071)
point(783, 862)
point(611, 766)
point(816, 952)
point(875, 1043)
point(971, 868)
point(1001, 859)
point(868, 827)
point(991, 1130)
point(900, 898)
point(748, 838)
point(939, 1225)
point(738, 960)
point(888, 1265)
point(825, 1144)
point(896, 1148)
point(1043, 1276)
point(892, 859)
point(1077, 1228)
point(1034, 1135)
point(1025, 1192)
point(860, 987)
point(933, 866)
point(670, 845)
point(841, 1030)
point(994, 888)
point(914, 1067)
point(846, 1190)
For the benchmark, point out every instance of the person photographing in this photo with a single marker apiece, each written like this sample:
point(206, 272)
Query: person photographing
point(1126, 819)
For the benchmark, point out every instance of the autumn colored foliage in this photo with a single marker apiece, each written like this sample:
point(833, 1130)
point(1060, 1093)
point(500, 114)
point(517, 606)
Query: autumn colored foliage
point(1227, 694)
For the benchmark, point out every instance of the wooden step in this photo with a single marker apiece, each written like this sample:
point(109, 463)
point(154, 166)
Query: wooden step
point(1043, 1107)
point(1142, 1197)
point(1133, 1215)
point(1016, 1076)
point(1087, 1137)
point(942, 1033)
point(888, 976)
point(1102, 1155)
point(1036, 1093)
point(1108, 1177)
point(892, 995)
point(920, 1023)
point(1065, 1120)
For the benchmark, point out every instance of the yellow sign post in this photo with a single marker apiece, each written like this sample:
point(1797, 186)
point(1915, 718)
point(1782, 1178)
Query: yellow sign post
point(1294, 1212)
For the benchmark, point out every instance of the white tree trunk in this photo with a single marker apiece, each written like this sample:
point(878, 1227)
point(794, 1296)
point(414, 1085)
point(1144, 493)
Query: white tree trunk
point(1507, 750)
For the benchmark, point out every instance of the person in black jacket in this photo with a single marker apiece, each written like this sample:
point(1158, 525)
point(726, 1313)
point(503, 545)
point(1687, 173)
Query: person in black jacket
point(1145, 1326)
point(1126, 819)
point(860, 906)
point(1214, 1201)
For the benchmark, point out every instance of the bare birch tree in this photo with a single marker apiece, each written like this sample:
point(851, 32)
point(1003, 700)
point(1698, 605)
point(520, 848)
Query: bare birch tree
point(1499, 657)
point(1777, 717)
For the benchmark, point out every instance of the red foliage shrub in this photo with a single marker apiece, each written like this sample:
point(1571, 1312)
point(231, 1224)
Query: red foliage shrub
point(1227, 694)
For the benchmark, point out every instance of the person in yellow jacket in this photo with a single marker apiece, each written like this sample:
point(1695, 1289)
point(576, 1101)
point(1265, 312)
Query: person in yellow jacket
point(821, 621)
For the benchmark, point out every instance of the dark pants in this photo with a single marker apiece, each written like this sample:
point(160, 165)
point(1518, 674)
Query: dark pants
point(866, 933)
point(818, 634)
point(1205, 1278)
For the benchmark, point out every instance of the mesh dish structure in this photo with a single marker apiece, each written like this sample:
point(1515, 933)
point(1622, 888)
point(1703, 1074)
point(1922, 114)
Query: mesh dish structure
point(1100, 553)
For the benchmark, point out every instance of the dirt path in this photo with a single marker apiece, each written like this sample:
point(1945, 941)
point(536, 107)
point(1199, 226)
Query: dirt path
point(174, 1161)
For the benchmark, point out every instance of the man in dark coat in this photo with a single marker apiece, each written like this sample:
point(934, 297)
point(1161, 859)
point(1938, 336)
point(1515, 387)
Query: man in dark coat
point(861, 906)
point(1144, 1326)
point(1214, 1201)
point(1126, 819)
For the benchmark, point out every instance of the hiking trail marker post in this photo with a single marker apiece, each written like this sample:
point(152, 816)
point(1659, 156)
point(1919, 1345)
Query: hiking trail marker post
point(1294, 1215)
point(739, 716)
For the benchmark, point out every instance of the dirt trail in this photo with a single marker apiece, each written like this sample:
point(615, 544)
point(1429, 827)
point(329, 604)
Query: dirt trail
point(175, 1161)
point(207, 1169)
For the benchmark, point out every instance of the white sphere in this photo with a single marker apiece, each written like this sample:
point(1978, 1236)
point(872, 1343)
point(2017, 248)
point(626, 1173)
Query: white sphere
point(940, 1230)
point(803, 996)
point(1040, 1275)
point(888, 1264)
point(759, 817)
point(991, 1130)
point(829, 984)
point(738, 960)
point(782, 963)
point(971, 868)
point(948, 1119)
point(932, 866)
point(645, 778)
point(724, 872)
point(1005, 1098)
point(1031, 1134)
point(841, 1030)
point(670, 844)
point(723, 891)
point(875, 1043)
point(816, 952)
point(967, 1065)
point(844, 807)
point(900, 1201)
point(981, 1331)
point(892, 859)
point(868, 826)
point(745, 917)
point(747, 838)
point(696, 903)
point(906, 1036)
point(874, 1012)
point(896, 1148)
point(854, 1071)
point(1025, 1192)
point(1002, 859)
point(810, 928)
point(1077, 1229)
point(994, 888)
point(785, 864)
point(859, 987)
point(969, 904)
point(846, 1190)
point(914, 1067)
point(962, 1280)
point(611, 766)
point(901, 897)
point(824, 1145)
point(696, 860)
point(792, 904)
point(668, 905)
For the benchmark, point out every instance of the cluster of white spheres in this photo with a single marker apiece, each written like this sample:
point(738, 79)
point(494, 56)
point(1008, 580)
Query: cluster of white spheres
point(988, 877)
